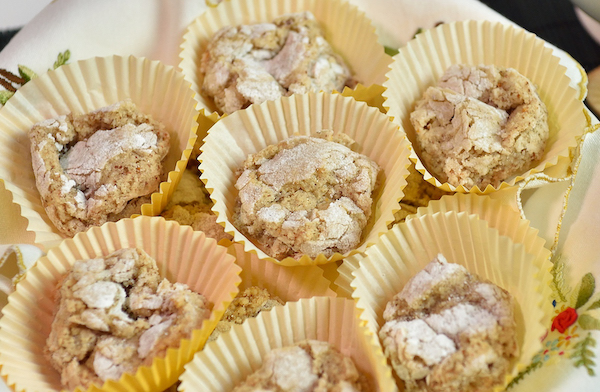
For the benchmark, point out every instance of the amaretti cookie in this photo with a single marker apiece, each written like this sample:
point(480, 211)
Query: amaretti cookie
point(450, 330)
point(480, 125)
point(90, 167)
point(504, 111)
point(306, 196)
point(249, 64)
point(115, 314)
point(310, 365)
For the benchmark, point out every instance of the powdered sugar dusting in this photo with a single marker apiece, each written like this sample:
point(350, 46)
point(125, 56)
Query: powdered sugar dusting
point(448, 330)
point(480, 125)
point(89, 166)
point(302, 197)
point(433, 274)
point(250, 64)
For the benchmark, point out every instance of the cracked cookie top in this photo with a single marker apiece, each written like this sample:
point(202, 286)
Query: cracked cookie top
point(90, 168)
point(480, 125)
point(115, 314)
point(306, 195)
point(250, 64)
point(449, 330)
point(310, 365)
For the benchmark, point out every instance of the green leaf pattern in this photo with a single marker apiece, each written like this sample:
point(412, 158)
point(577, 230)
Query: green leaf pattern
point(26, 73)
point(558, 279)
point(532, 366)
point(583, 356)
point(62, 59)
point(586, 290)
point(594, 305)
point(5, 95)
point(13, 82)
point(587, 322)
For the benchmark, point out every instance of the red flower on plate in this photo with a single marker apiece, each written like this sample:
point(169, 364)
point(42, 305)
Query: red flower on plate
point(564, 320)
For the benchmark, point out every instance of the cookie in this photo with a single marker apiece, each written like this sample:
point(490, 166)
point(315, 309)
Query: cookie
point(448, 330)
point(88, 168)
point(250, 64)
point(115, 314)
point(480, 125)
point(191, 206)
point(248, 303)
point(306, 196)
point(310, 365)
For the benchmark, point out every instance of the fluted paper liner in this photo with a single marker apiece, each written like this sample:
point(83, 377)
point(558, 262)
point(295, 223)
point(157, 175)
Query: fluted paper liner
point(498, 215)
point(227, 361)
point(248, 131)
point(182, 255)
point(350, 33)
point(287, 283)
point(81, 87)
point(204, 123)
point(423, 60)
point(466, 240)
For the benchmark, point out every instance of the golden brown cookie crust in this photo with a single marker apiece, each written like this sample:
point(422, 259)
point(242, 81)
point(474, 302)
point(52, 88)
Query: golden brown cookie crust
point(115, 314)
point(306, 196)
point(448, 330)
point(89, 167)
point(480, 125)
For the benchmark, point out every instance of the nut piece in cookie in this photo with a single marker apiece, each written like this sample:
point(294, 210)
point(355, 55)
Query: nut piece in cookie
point(448, 330)
point(250, 64)
point(480, 125)
point(305, 196)
point(247, 304)
point(115, 314)
point(310, 365)
point(88, 168)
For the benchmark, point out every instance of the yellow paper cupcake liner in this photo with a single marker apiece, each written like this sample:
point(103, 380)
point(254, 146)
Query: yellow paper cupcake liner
point(204, 123)
point(466, 240)
point(235, 355)
point(287, 283)
point(81, 87)
point(423, 60)
point(350, 33)
point(248, 131)
point(182, 255)
point(498, 215)
point(371, 95)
